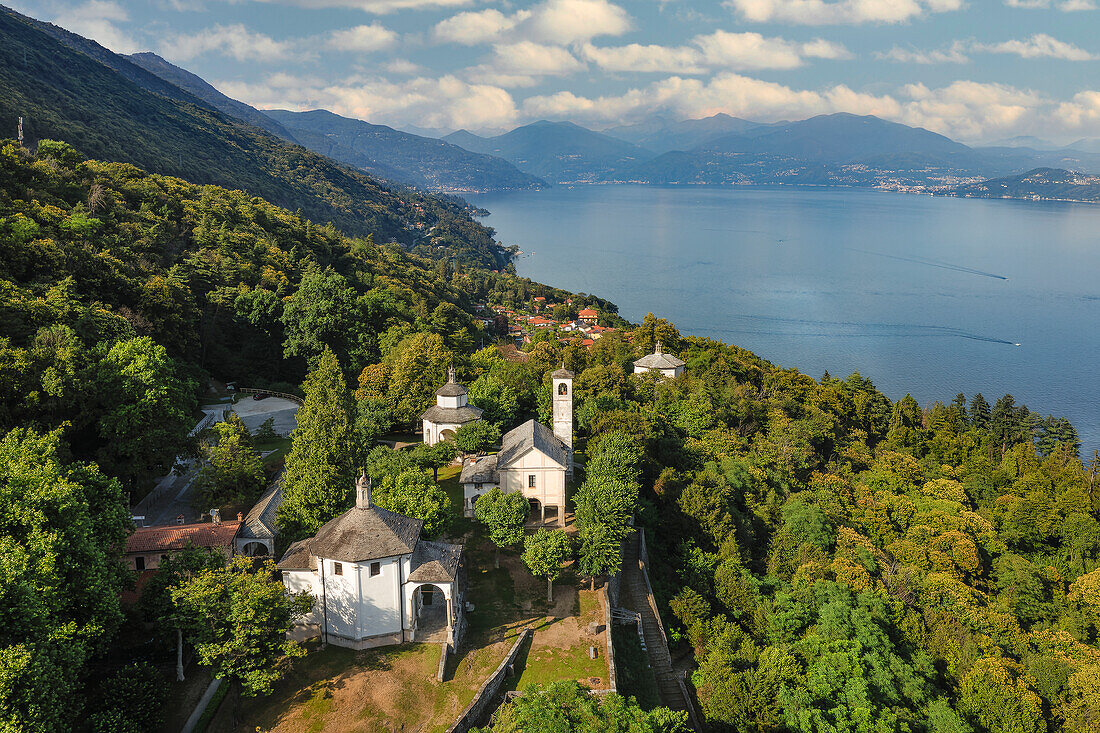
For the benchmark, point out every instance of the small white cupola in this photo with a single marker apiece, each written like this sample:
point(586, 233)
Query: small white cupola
point(451, 395)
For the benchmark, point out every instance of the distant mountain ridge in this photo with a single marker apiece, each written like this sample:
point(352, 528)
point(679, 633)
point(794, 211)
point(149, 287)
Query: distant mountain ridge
point(683, 135)
point(559, 152)
point(425, 162)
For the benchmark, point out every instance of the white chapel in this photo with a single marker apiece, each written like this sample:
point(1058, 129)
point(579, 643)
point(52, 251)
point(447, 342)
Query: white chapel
point(534, 460)
point(450, 411)
point(375, 580)
point(666, 364)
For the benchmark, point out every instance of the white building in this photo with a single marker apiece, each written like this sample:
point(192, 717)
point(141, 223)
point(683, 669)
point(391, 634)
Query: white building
point(533, 460)
point(449, 413)
point(375, 581)
point(659, 361)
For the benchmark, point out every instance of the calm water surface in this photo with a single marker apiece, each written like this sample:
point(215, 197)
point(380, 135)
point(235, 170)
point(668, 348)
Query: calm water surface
point(923, 295)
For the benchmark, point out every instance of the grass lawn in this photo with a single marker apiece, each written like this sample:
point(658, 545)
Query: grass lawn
point(386, 689)
point(280, 446)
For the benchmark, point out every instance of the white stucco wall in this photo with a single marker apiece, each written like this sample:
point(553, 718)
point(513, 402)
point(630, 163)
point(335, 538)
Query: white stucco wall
point(549, 478)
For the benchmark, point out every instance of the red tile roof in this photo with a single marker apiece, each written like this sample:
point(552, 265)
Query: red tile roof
point(179, 536)
point(540, 298)
point(588, 313)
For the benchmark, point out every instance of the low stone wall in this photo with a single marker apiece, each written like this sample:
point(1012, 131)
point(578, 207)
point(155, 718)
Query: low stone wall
point(612, 676)
point(643, 557)
point(441, 671)
point(484, 701)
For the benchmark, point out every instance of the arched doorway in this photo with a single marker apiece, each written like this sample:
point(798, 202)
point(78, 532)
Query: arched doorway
point(256, 549)
point(536, 510)
point(447, 434)
point(433, 613)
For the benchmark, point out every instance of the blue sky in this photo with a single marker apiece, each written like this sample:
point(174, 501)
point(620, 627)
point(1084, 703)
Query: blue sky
point(978, 71)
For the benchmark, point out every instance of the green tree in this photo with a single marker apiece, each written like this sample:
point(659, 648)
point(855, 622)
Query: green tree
point(324, 313)
point(131, 701)
point(146, 412)
point(433, 457)
point(320, 469)
point(419, 367)
point(504, 515)
point(979, 412)
point(477, 437)
point(600, 552)
point(60, 532)
point(238, 619)
point(156, 598)
point(562, 707)
point(233, 471)
point(414, 494)
point(544, 552)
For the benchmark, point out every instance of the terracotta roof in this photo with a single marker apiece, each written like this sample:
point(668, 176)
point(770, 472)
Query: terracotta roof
point(181, 536)
point(588, 342)
point(480, 471)
point(453, 415)
point(358, 535)
point(532, 434)
point(587, 313)
point(435, 562)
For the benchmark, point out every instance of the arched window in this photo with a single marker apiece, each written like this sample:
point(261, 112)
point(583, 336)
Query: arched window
point(563, 388)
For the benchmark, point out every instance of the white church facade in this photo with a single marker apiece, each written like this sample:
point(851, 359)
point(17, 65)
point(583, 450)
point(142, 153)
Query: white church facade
point(533, 460)
point(375, 581)
point(450, 412)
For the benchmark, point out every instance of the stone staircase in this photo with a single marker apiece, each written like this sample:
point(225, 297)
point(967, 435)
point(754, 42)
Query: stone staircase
point(635, 597)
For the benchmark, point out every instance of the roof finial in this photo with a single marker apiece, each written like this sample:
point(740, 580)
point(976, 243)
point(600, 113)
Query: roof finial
point(657, 350)
point(451, 375)
point(363, 491)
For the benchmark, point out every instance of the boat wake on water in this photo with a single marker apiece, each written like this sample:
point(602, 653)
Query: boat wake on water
point(844, 329)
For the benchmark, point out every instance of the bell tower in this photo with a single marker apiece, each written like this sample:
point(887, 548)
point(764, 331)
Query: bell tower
point(563, 408)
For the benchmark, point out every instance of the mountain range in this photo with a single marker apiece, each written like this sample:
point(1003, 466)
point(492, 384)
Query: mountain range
point(150, 112)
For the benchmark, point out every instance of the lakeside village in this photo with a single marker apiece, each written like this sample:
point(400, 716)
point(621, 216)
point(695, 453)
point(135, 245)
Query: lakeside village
point(458, 623)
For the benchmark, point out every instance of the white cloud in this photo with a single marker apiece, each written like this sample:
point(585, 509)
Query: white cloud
point(379, 7)
point(403, 67)
point(754, 51)
point(536, 59)
point(472, 28)
point(639, 58)
point(1066, 6)
point(833, 12)
point(559, 22)
point(1039, 45)
point(363, 38)
point(1082, 110)
point(720, 49)
point(953, 54)
point(97, 20)
point(447, 102)
point(573, 21)
point(969, 110)
point(235, 41)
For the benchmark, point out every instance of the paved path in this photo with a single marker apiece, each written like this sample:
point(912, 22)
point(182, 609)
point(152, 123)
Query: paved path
point(635, 596)
point(192, 721)
point(172, 495)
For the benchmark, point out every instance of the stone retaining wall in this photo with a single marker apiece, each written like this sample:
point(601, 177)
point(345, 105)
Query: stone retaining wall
point(485, 700)
point(612, 676)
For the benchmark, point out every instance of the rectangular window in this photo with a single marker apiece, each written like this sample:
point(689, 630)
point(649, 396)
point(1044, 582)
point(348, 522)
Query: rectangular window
point(337, 568)
point(139, 562)
point(375, 568)
point(531, 481)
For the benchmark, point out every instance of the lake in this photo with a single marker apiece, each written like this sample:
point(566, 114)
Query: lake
point(930, 296)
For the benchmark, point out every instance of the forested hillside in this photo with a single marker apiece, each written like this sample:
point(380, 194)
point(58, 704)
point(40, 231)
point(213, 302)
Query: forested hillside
point(839, 562)
point(132, 116)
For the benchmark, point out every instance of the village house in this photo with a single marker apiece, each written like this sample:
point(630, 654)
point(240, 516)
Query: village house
point(534, 460)
point(375, 581)
point(449, 413)
point(148, 546)
point(667, 364)
point(588, 316)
